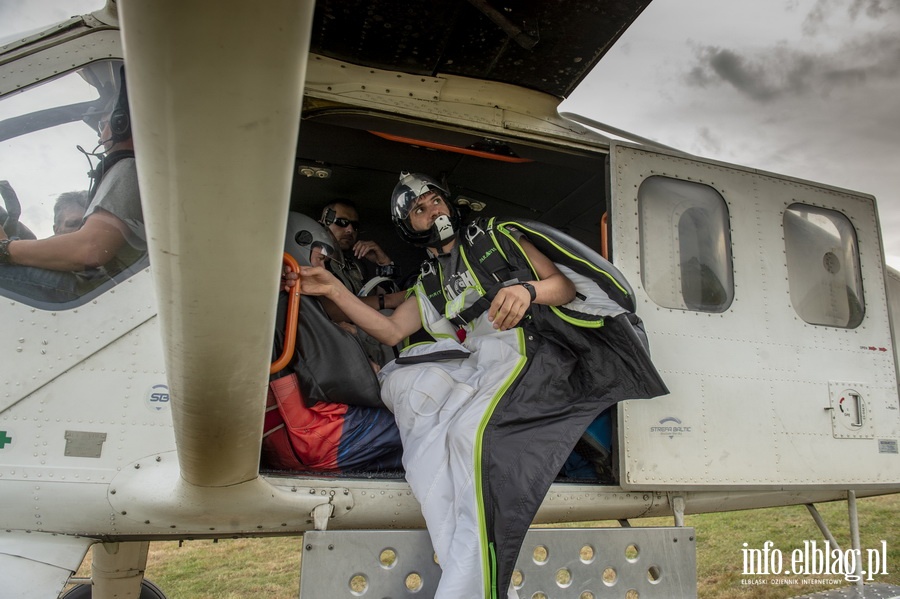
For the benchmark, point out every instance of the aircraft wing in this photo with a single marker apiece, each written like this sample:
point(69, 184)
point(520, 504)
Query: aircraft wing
point(547, 46)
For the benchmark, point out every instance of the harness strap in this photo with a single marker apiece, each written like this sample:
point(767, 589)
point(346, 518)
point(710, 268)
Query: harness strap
point(489, 266)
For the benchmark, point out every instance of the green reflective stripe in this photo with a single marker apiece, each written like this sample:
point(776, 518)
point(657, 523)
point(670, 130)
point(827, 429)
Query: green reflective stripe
point(490, 229)
point(493, 558)
point(522, 251)
point(578, 322)
point(420, 297)
point(486, 551)
point(502, 226)
point(465, 259)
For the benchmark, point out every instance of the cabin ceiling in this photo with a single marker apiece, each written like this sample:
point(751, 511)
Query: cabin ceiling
point(547, 45)
point(564, 189)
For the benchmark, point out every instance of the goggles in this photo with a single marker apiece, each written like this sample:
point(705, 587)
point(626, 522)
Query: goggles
point(346, 222)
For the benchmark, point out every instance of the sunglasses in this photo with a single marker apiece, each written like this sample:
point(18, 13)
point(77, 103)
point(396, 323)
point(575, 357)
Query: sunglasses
point(102, 125)
point(346, 222)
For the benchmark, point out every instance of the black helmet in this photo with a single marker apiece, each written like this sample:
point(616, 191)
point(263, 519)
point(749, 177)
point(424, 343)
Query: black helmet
point(410, 187)
point(120, 118)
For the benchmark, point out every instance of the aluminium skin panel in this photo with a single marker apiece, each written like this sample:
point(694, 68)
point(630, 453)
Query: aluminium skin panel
point(754, 388)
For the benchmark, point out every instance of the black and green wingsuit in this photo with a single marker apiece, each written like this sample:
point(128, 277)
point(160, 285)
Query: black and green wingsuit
point(520, 398)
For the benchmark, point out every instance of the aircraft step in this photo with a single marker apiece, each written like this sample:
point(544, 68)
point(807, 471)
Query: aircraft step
point(561, 563)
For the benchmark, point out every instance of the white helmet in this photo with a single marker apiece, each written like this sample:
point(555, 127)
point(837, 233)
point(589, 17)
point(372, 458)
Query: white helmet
point(304, 235)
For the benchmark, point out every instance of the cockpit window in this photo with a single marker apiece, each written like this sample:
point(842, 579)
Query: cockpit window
point(53, 170)
point(823, 266)
point(685, 245)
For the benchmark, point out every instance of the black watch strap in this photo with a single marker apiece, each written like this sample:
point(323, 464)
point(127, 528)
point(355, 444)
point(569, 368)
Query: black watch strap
point(5, 258)
point(531, 290)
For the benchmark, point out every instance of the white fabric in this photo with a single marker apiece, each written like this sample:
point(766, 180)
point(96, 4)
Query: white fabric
point(439, 408)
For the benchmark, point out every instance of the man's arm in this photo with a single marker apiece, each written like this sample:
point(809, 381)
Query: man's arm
point(553, 289)
point(389, 330)
point(95, 244)
point(372, 252)
point(390, 300)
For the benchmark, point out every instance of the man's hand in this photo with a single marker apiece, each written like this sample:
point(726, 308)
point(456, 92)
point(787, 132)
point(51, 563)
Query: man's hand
point(288, 278)
point(315, 280)
point(509, 307)
point(371, 251)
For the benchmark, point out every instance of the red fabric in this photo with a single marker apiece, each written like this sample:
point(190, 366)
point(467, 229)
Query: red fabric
point(309, 437)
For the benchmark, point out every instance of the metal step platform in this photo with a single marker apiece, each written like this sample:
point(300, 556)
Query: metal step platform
point(554, 563)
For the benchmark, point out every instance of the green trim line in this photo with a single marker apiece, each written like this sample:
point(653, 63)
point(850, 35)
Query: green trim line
point(490, 229)
point(578, 322)
point(465, 259)
point(487, 551)
point(570, 255)
point(420, 293)
point(493, 558)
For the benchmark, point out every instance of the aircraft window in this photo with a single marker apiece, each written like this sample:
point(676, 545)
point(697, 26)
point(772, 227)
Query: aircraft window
point(685, 245)
point(823, 266)
point(41, 129)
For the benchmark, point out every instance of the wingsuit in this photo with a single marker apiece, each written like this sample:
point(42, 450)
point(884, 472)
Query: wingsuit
point(488, 417)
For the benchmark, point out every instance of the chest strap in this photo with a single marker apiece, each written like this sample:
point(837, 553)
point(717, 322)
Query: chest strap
point(490, 268)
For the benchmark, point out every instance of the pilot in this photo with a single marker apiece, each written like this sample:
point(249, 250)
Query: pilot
point(68, 211)
point(112, 236)
point(489, 412)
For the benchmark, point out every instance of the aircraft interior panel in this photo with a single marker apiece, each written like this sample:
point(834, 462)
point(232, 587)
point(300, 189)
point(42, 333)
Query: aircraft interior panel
point(563, 188)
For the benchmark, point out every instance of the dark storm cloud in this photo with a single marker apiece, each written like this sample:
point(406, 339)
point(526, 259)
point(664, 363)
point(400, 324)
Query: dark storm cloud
point(791, 71)
point(762, 78)
point(768, 75)
point(823, 10)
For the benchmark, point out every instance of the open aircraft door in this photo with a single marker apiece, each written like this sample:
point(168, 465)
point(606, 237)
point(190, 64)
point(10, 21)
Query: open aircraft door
point(764, 301)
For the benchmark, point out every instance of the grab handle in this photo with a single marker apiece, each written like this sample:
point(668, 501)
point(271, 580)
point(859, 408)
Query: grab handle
point(293, 313)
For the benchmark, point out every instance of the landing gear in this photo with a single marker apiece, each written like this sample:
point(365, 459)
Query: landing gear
point(83, 591)
point(117, 570)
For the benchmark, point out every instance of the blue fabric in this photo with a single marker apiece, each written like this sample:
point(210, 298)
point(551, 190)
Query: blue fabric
point(370, 440)
point(39, 283)
point(577, 466)
point(600, 431)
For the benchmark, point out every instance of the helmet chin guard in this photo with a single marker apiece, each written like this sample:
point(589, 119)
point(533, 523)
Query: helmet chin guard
point(443, 229)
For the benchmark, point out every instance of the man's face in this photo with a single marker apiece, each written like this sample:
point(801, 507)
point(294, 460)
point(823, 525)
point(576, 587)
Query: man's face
point(104, 133)
point(67, 220)
point(346, 235)
point(426, 209)
point(317, 257)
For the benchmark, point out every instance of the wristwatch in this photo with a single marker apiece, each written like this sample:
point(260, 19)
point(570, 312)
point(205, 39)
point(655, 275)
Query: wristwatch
point(5, 258)
point(386, 270)
point(531, 290)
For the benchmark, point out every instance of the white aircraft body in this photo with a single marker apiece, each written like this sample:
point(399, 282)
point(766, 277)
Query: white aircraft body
point(136, 413)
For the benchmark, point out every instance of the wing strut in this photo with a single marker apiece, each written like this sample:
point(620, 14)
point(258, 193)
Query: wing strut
point(215, 92)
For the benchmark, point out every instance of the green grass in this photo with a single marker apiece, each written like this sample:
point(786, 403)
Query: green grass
point(242, 568)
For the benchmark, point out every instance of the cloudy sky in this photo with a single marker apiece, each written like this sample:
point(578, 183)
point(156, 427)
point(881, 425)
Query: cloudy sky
point(808, 88)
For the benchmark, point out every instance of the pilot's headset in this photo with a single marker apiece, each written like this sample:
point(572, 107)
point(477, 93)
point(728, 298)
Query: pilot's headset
point(305, 236)
point(410, 187)
point(120, 118)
